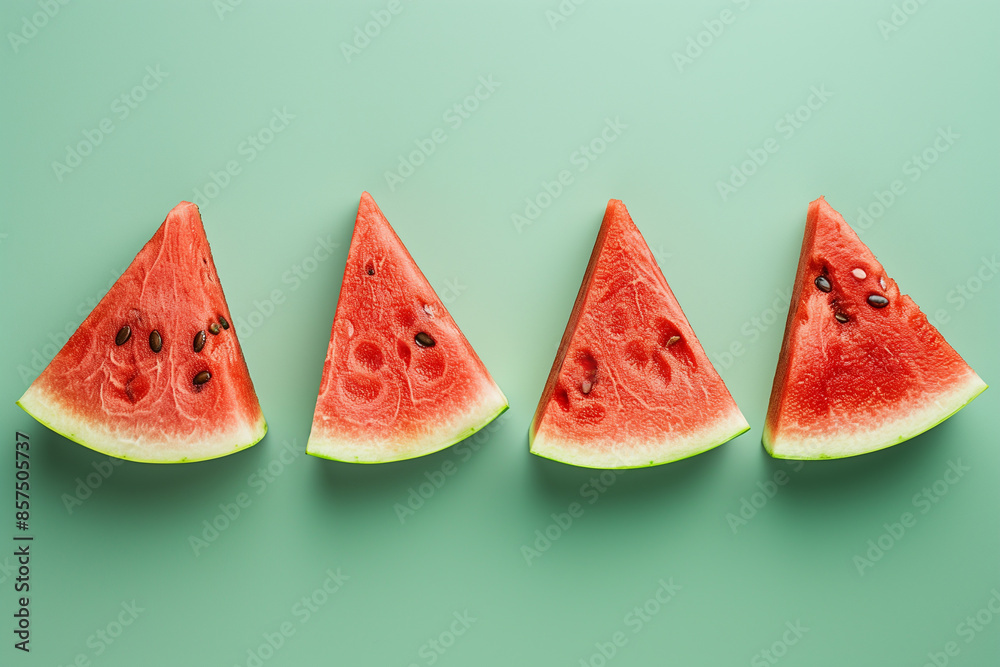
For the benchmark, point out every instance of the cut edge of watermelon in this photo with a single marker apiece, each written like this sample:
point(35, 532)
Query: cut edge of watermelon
point(641, 455)
point(489, 408)
point(44, 407)
point(887, 435)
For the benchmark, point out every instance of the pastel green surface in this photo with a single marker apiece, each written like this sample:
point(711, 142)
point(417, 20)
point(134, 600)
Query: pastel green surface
point(903, 124)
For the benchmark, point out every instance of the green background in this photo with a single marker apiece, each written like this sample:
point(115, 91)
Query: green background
point(511, 292)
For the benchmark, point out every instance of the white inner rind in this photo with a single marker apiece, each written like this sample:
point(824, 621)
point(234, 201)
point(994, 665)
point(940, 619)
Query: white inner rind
point(489, 405)
point(855, 439)
point(47, 408)
point(638, 453)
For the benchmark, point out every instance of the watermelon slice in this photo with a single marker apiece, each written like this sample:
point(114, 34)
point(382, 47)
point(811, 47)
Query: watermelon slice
point(861, 368)
point(400, 380)
point(631, 385)
point(130, 382)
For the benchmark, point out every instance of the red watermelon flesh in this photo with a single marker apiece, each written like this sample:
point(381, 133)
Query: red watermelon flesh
point(109, 390)
point(860, 368)
point(631, 385)
point(400, 380)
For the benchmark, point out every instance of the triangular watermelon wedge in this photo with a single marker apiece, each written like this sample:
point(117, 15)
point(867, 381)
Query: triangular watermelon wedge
point(400, 380)
point(129, 382)
point(631, 385)
point(860, 368)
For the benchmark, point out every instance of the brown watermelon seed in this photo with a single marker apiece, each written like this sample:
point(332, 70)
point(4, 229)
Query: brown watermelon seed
point(199, 341)
point(424, 339)
point(123, 335)
point(155, 341)
point(214, 329)
point(841, 317)
point(877, 301)
point(202, 377)
point(224, 322)
point(673, 340)
point(822, 284)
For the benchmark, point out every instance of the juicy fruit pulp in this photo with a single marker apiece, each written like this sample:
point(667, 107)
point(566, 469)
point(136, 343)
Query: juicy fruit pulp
point(400, 380)
point(155, 373)
point(631, 385)
point(860, 368)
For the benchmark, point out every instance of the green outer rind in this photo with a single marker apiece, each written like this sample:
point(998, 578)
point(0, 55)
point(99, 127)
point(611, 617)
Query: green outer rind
point(261, 428)
point(768, 443)
point(686, 455)
point(462, 435)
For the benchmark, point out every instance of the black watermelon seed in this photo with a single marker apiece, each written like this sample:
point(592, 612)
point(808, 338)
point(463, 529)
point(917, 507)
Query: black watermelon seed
point(199, 341)
point(123, 335)
point(224, 322)
point(424, 339)
point(202, 377)
point(155, 341)
point(214, 329)
point(822, 284)
point(371, 271)
point(877, 301)
point(840, 317)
